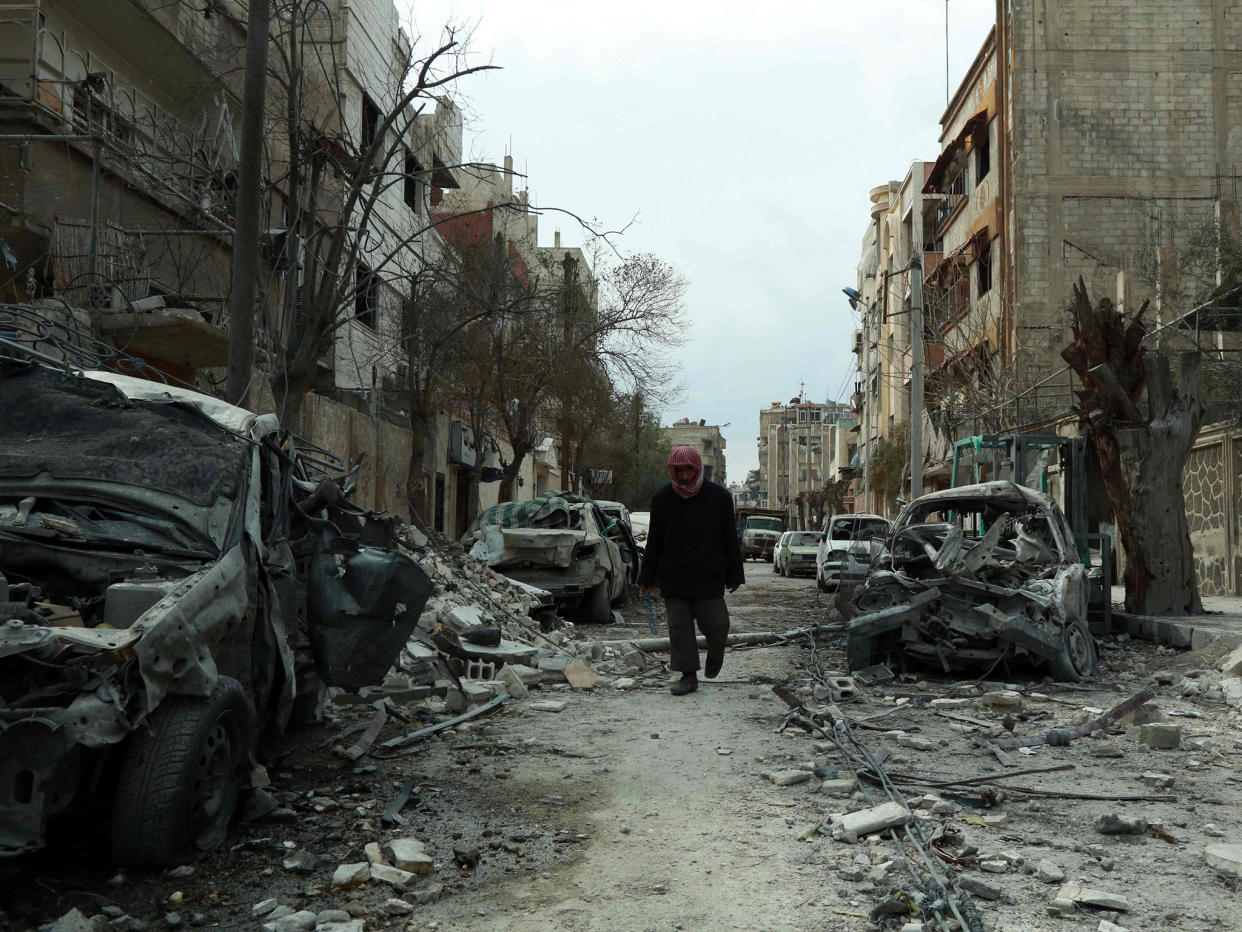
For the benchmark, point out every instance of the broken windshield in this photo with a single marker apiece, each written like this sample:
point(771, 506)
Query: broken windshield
point(858, 529)
point(764, 524)
point(71, 428)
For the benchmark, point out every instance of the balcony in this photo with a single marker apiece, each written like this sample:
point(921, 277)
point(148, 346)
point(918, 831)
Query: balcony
point(947, 209)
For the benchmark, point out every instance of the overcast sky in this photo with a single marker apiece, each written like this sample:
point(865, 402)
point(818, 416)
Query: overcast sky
point(745, 136)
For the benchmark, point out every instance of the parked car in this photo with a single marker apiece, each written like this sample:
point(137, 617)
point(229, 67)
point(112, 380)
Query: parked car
point(796, 552)
point(176, 579)
point(758, 530)
point(562, 543)
point(972, 575)
point(778, 549)
point(844, 551)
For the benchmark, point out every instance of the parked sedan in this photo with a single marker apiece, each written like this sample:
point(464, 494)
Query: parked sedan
point(777, 550)
point(797, 550)
point(845, 548)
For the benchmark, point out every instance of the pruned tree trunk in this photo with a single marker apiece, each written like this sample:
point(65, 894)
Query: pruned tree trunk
point(416, 481)
point(1142, 454)
point(508, 481)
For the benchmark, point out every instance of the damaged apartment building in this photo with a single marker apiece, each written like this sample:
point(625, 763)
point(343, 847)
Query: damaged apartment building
point(1098, 141)
point(119, 136)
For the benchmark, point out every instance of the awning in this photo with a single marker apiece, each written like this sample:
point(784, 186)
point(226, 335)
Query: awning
point(964, 254)
point(964, 141)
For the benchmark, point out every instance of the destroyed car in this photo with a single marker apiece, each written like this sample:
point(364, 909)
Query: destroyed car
point(973, 575)
point(845, 550)
point(178, 577)
point(562, 543)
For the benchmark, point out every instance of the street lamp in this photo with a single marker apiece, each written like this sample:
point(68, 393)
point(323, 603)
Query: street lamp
point(854, 297)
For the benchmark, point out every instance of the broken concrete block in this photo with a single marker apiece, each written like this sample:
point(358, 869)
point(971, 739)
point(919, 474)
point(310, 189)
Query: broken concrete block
point(547, 705)
point(263, 907)
point(351, 875)
point(1106, 926)
point(397, 907)
point(1232, 664)
point(853, 825)
point(789, 777)
point(1225, 858)
point(842, 786)
point(393, 876)
point(528, 675)
point(1145, 714)
point(624, 682)
point(72, 921)
point(1161, 737)
point(1077, 893)
point(552, 669)
point(980, 888)
point(301, 921)
point(915, 743)
point(1003, 700)
point(580, 675)
point(1111, 823)
point(1049, 871)
point(300, 861)
point(995, 866)
point(428, 894)
point(512, 683)
point(462, 618)
point(1159, 781)
point(947, 703)
point(409, 854)
point(372, 851)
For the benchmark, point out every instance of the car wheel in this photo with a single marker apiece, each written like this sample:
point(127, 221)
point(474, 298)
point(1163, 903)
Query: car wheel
point(595, 605)
point(181, 774)
point(1077, 660)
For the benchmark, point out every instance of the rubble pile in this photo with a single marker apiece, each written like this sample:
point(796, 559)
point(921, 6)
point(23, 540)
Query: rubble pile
point(885, 775)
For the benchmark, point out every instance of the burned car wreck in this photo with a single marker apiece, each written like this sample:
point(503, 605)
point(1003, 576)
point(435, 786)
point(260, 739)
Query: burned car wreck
point(178, 577)
point(970, 576)
point(561, 543)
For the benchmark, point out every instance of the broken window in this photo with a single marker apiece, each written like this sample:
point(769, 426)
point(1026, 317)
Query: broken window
point(983, 156)
point(370, 121)
point(366, 296)
point(983, 272)
point(815, 415)
point(413, 184)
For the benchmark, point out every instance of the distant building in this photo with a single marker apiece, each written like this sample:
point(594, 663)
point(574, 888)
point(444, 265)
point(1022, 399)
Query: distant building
point(799, 448)
point(704, 437)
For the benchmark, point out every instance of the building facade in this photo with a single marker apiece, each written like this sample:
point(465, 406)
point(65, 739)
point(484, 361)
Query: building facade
point(704, 437)
point(800, 447)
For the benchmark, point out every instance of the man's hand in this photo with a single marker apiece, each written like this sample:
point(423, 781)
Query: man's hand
point(733, 588)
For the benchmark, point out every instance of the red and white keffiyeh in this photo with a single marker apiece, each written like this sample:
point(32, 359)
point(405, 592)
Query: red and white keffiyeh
point(686, 456)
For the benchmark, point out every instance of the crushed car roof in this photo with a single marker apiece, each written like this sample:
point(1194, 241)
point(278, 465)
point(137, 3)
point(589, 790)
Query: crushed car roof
point(1003, 491)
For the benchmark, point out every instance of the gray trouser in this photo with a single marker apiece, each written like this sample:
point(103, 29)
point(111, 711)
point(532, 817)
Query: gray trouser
point(713, 619)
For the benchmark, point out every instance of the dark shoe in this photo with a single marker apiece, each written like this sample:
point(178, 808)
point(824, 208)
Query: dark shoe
point(712, 666)
point(688, 683)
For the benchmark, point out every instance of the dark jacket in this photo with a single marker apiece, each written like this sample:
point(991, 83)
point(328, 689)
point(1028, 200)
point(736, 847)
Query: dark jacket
point(692, 546)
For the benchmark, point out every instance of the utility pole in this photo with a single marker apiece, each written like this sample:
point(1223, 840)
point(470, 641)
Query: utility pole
point(246, 233)
point(916, 373)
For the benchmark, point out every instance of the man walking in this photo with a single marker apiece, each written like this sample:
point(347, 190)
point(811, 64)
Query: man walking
point(692, 556)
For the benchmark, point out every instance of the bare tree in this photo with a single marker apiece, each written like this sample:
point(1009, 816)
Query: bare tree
point(1142, 453)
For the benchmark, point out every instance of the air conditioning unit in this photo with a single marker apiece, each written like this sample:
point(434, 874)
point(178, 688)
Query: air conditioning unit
point(461, 445)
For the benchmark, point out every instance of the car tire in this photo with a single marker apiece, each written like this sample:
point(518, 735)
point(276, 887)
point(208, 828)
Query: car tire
point(180, 777)
point(1078, 659)
point(596, 608)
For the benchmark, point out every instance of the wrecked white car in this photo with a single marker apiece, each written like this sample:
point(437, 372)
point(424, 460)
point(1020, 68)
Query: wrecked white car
point(176, 580)
point(561, 543)
point(972, 576)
